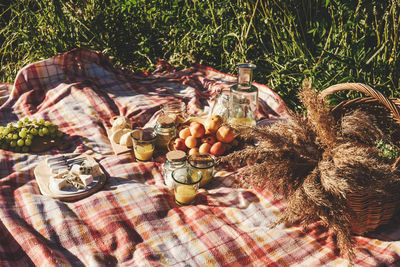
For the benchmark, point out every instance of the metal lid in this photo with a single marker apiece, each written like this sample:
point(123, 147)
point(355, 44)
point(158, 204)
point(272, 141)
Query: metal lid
point(176, 155)
point(165, 121)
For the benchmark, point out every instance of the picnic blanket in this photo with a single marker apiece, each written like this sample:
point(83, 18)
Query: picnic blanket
point(133, 220)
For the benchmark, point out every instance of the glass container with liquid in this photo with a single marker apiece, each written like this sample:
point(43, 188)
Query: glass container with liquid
point(243, 98)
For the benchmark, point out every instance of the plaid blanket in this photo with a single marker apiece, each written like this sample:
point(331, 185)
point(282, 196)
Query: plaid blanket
point(133, 219)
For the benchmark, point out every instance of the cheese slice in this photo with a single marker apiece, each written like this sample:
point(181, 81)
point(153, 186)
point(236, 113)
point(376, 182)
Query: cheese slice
point(75, 169)
point(94, 166)
point(86, 179)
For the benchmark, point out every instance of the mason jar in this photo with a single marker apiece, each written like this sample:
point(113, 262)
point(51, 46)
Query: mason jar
point(165, 130)
point(175, 159)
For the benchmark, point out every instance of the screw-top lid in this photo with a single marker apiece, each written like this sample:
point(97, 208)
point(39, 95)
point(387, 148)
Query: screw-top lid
point(165, 121)
point(176, 155)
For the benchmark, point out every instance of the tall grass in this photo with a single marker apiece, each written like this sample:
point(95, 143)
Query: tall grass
point(327, 41)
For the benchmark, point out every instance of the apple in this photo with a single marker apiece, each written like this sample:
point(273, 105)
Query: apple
point(197, 129)
point(191, 141)
point(184, 133)
point(204, 148)
point(179, 144)
point(225, 134)
point(210, 139)
point(212, 123)
point(193, 151)
point(218, 149)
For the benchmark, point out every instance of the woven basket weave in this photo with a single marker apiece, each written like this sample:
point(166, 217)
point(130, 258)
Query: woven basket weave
point(370, 210)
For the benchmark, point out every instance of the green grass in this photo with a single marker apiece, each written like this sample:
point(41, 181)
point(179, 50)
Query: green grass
point(326, 41)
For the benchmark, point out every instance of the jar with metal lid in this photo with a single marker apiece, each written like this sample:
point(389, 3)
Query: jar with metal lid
point(175, 159)
point(165, 130)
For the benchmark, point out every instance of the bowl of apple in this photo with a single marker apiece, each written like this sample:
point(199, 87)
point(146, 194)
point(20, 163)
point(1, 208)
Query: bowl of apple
point(204, 135)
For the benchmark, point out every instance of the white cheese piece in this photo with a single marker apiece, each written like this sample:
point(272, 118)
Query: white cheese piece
point(58, 183)
point(86, 179)
point(94, 166)
point(75, 169)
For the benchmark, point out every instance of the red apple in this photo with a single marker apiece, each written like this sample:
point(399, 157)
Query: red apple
point(204, 149)
point(217, 149)
point(225, 134)
point(191, 141)
point(197, 129)
point(209, 139)
point(179, 144)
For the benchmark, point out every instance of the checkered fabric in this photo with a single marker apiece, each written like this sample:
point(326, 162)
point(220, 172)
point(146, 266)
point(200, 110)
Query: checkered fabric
point(133, 220)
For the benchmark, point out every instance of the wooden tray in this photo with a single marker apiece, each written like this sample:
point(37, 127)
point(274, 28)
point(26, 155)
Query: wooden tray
point(117, 148)
point(42, 174)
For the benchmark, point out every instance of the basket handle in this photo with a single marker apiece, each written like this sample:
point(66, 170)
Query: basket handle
point(366, 89)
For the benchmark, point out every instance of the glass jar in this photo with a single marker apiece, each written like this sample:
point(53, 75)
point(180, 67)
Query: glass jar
point(221, 105)
point(243, 98)
point(176, 110)
point(174, 160)
point(165, 130)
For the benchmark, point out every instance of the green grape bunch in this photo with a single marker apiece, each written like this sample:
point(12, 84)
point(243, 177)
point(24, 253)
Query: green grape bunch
point(19, 137)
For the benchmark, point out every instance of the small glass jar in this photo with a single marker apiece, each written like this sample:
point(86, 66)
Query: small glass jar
point(202, 166)
point(176, 110)
point(175, 159)
point(165, 130)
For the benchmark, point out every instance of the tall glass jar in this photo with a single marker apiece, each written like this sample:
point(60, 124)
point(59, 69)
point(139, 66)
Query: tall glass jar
point(176, 110)
point(175, 159)
point(165, 130)
point(243, 98)
point(221, 105)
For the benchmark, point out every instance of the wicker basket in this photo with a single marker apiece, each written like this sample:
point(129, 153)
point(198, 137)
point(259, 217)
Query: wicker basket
point(370, 210)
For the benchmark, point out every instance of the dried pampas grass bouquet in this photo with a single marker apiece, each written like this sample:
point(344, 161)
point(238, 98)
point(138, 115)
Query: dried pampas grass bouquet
point(326, 169)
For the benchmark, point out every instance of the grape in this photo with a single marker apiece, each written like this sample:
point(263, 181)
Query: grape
point(13, 143)
point(20, 142)
point(45, 130)
point(34, 131)
point(28, 142)
point(22, 134)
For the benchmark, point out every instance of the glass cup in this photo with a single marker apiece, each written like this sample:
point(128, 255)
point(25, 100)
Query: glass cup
point(175, 110)
point(202, 166)
point(143, 143)
point(185, 186)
